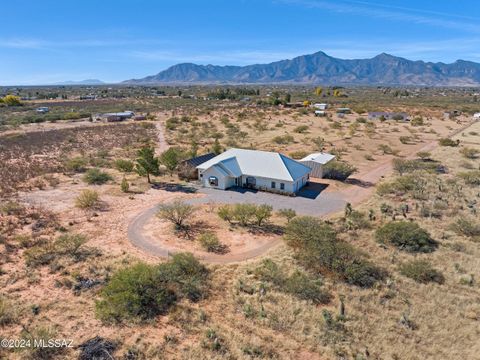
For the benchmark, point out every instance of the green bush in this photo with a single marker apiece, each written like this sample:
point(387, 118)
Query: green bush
point(470, 177)
point(448, 142)
point(123, 165)
point(297, 284)
point(96, 177)
point(407, 236)
point(283, 139)
point(317, 248)
point(209, 241)
point(301, 129)
point(469, 153)
point(177, 212)
point(142, 291)
point(421, 271)
point(466, 227)
point(288, 214)
point(412, 183)
point(338, 170)
point(88, 199)
point(7, 312)
point(76, 164)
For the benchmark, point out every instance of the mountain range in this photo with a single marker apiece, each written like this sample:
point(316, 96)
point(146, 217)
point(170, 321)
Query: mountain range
point(320, 68)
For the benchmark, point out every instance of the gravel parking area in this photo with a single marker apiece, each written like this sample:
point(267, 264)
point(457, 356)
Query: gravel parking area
point(307, 202)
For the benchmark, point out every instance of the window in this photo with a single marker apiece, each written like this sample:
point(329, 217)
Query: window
point(273, 185)
point(282, 186)
point(213, 181)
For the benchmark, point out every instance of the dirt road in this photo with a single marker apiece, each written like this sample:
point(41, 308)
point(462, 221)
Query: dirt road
point(363, 185)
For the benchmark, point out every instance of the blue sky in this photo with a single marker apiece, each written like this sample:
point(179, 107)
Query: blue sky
point(50, 41)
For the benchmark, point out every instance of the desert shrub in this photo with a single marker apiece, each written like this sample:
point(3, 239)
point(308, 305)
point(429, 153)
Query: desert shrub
point(387, 149)
point(469, 153)
point(466, 227)
point(356, 220)
point(298, 154)
point(283, 139)
point(317, 248)
point(7, 312)
point(403, 166)
point(470, 177)
point(209, 241)
point(407, 236)
point(76, 164)
point(11, 208)
point(41, 335)
point(417, 121)
point(69, 244)
point(96, 177)
point(288, 214)
point(124, 186)
point(448, 142)
point(244, 213)
point(421, 271)
point(124, 165)
point(139, 291)
point(88, 199)
point(424, 155)
point(144, 291)
point(176, 212)
point(411, 183)
point(45, 253)
point(405, 139)
point(263, 213)
point(297, 284)
point(338, 170)
point(225, 212)
point(301, 129)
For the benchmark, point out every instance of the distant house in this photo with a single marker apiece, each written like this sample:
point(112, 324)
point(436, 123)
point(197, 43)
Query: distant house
point(476, 115)
point(379, 115)
point(320, 106)
point(42, 110)
point(344, 110)
point(263, 170)
point(320, 113)
point(114, 117)
point(316, 161)
point(452, 114)
point(88, 97)
point(188, 168)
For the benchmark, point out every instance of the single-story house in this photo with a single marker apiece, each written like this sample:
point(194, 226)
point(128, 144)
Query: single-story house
point(113, 117)
point(344, 110)
point(320, 106)
point(263, 170)
point(388, 115)
point(320, 113)
point(316, 161)
point(187, 169)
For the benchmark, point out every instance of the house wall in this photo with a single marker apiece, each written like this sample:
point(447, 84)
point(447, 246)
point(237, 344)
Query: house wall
point(261, 183)
point(317, 169)
point(224, 182)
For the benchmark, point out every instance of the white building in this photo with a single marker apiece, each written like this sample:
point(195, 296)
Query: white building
point(316, 162)
point(263, 170)
point(320, 113)
point(320, 106)
point(476, 115)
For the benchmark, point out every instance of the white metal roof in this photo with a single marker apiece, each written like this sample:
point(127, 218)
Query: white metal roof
point(321, 158)
point(258, 163)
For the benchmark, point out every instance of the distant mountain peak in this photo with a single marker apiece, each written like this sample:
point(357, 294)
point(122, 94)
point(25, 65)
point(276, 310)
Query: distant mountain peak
point(320, 68)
